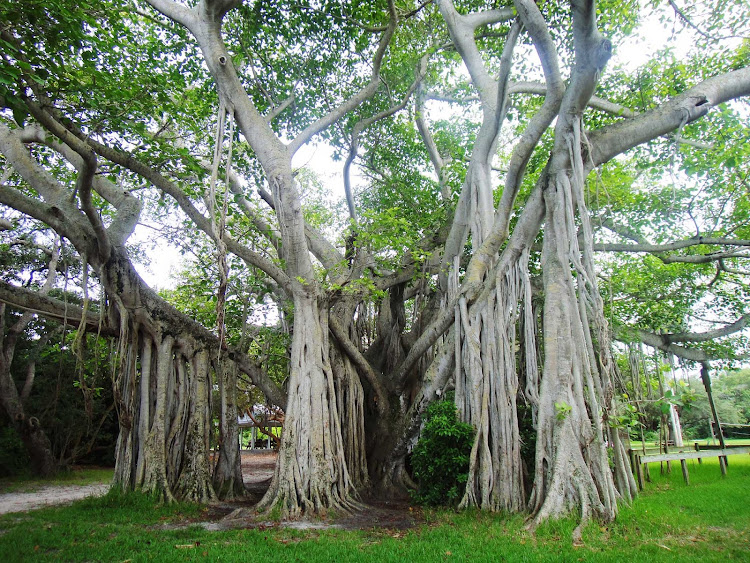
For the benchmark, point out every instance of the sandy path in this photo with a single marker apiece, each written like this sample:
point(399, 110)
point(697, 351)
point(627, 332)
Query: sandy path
point(48, 496)
point(257, 468)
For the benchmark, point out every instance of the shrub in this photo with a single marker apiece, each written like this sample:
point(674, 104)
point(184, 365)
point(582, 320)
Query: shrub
point(441, 457)
point(13, 457)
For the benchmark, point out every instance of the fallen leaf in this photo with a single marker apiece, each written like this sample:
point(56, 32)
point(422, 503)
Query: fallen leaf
point(448, 553)
point(664, 546)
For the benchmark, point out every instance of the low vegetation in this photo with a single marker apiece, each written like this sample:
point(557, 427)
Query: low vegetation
point(441, 457)
point(706, 521)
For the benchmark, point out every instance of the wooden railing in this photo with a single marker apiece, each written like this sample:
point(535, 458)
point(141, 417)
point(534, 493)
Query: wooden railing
point(639, 461)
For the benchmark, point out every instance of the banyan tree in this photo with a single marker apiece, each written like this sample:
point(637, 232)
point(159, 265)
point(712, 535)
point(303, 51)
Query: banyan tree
point(474, 142)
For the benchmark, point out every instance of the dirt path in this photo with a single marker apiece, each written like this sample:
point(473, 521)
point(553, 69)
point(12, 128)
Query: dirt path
point(257, 470)
point(49, 495)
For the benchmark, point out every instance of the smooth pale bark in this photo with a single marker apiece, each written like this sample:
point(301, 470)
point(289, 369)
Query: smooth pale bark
point(572, 470)
point(227, 475)
point(575, 395)
point(311, 474)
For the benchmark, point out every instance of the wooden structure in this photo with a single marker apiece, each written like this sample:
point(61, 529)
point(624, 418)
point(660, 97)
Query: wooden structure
point(640, 460)
point(245, 421)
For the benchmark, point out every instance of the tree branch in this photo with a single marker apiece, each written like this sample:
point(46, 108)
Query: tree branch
point(363, 366)
point(665, 342)
point(693, 104)
point(731, 328)
point(461, 29)
point(273, 393)
point(365, 123)
point(52, 308)
point(128, 207)
point(190, 210)
point(535, 25)
point(174, 11)
point(672, 246)
point(365, 93)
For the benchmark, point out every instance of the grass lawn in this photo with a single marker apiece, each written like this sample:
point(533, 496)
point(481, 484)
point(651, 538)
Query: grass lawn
point(707, 521)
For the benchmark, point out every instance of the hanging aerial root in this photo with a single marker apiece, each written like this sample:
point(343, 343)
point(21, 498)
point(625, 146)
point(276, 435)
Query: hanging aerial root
point(486, 390)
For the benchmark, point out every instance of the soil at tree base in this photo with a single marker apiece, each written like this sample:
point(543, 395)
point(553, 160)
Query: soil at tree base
point(257, 470)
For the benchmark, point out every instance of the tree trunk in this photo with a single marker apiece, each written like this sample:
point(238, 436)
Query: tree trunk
point(193, 481)
point(227, 477)
point(32, 435)
point(486, 388)
point(311, 473)
point(162, 395)
point(572, 468)
point(350, 397)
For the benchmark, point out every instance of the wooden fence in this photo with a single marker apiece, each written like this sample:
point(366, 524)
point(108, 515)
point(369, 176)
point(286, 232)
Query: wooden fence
point(640, 461)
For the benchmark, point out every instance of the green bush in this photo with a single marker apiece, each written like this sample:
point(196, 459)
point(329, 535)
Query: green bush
point(441, 457)
point(13, 457)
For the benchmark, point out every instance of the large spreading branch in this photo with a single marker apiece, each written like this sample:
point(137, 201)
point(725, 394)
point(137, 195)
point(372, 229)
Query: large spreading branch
point(50, 307)
point(537, 29)
point(461, 29)
point(363, 124)
point(684, 108)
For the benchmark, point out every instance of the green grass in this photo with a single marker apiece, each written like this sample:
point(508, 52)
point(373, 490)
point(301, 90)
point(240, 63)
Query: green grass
point(707, 521)
point(76, 476)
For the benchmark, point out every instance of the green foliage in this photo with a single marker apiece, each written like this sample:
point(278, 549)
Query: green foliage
point(13, 457)
point(626, 416)
point(71, 395)
point(734, 387)
point(441, 457)
point(562, 410)
point(731, 397)
point(707, 521)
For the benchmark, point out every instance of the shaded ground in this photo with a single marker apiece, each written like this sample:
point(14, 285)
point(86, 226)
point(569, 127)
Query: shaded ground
point(257, 470)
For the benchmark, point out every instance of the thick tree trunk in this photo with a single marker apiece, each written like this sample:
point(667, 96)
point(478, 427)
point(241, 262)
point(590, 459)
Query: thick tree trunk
point(155, 453)
point(38, 447)
point(486, 388)
point(350, 399)
point(311, 473)
point(162, 393)
point(227, 477)
point(193, 481)
point(572, 468)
